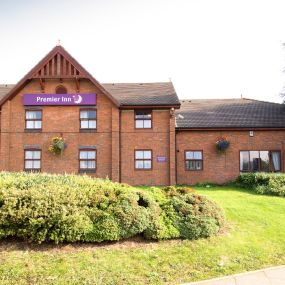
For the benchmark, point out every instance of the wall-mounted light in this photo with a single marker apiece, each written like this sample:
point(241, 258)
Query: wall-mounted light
point(251, 134)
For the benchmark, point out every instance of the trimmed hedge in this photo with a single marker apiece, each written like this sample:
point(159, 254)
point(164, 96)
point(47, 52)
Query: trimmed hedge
point(68, 208)
point(263, 183)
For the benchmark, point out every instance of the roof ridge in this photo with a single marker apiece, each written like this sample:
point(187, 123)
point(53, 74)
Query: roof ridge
point(139, 83)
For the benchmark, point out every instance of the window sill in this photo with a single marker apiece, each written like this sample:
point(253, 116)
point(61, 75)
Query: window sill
point(88, 130)
point(82, 171)
point(33, 130)
point(143, 129)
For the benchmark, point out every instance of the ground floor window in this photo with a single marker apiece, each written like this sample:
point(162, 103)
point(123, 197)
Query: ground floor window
point(257, 160)
point(193, 160)
point(32, 160)
point(87, 160)
point(143, 159)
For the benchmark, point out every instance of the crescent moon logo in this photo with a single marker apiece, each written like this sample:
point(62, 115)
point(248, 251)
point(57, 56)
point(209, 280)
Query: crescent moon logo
point(77, 99)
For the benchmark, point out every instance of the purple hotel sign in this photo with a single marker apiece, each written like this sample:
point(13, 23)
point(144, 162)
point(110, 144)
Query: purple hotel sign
point(161, 159)
point(59, 99)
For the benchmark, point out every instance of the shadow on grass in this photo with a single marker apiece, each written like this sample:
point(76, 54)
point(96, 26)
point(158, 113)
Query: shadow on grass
point(16, 244)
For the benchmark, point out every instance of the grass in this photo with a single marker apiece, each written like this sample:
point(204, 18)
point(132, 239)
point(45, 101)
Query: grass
point(254, 239)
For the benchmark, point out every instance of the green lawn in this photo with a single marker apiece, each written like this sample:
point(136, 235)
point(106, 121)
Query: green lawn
point(255, 238)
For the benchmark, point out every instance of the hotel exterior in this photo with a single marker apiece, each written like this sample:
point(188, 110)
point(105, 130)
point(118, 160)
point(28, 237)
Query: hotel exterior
point(139, 134)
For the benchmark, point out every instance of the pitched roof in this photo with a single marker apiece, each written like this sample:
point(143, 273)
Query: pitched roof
point(143, 94)
point(132, 94)
point(230, 113)
point(40, 69)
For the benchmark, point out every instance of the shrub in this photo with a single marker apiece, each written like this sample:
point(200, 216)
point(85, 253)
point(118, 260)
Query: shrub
point(263, 183)
point(68, 208)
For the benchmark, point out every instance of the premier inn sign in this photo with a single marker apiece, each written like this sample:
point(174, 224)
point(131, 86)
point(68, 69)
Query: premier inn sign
point(59, 99)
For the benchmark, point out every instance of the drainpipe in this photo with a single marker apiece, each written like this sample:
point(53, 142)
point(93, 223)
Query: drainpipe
point(120, 145)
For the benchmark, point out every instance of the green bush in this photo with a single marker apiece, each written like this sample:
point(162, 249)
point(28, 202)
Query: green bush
point(263, 183)
point(68, 208)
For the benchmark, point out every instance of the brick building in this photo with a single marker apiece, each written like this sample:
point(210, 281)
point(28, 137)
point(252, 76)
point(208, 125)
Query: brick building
point(132, 133)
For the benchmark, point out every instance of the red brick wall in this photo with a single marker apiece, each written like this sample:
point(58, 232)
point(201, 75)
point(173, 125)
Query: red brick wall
point(57, 120)
point(157, 139)
point(221, 168)
point(64, 121)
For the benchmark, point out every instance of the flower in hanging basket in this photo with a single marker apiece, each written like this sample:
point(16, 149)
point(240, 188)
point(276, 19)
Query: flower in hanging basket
point(57, 145)
point(222, 144)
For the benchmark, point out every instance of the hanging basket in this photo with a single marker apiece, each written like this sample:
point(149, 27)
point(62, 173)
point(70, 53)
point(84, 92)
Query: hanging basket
point(57, 146)
point(222, 145)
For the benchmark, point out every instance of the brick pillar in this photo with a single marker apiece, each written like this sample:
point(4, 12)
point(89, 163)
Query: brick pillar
point(115, 145)
point(5, 136)
point(172, 149)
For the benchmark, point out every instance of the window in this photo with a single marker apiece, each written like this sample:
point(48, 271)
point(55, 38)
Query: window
point(87, 160)
point(33, 119)
point(60, 90)
point(32, 160)
point(194, 160)
point(143, 159)
point(143, 119)
point(265, 161)
point(88, 119)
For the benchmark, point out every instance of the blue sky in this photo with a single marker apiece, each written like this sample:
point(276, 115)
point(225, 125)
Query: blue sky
point(209, 49)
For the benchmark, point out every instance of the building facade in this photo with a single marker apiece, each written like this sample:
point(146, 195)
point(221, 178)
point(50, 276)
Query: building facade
point(132, 133)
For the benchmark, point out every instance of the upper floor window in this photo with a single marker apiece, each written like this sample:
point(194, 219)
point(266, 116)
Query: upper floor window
point(256, 160)
point(194, 160)
point(60, 90)
point(34, 119)
point(143, 119)
point(88, 119)
point(32, 160)
point(87, 160)
point(143, 159)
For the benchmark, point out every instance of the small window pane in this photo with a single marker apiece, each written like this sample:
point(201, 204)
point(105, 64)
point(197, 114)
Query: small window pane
point(84, 124)
point(28, 164)
point(198, 165)
point(38, 124)
point(190, 165)
point(139, 154)
point(147, 154)
point(139, 164)
point(92, 114)
point(197, 154)
point(92, 124)
point(276, 160)
point(91, 164)
point(37, 154)
point(83, 154)
point(38, 115)
point(37, 164)
point(244, 161)
point(254, 160)
point(264, 161)
point(32, 115)
point(91, 154)
point(83, 164)
point(189, 155)
point(147, 124)
point(84, 114)
point(29, 154)
point(139, 124)
point(30, 124)
point(147, 164)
